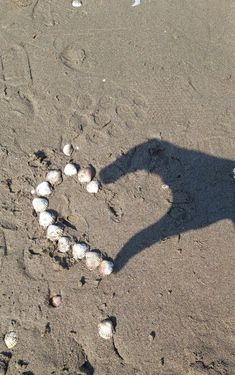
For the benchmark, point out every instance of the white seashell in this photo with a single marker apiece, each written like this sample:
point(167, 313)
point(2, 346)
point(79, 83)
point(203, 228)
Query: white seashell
point(93, 186)
point(79, 250)
point(93, 259)
point(54, 232)
point(165, 187)
point(64, 244)
point(106, 267)
point(44, 189)
point(33, 191)
point(76, 3)
point(68, 149)
point(10, 339)
point(70, 169)
point(54, 177)
point(47, 218)
point(106, 329)
point(85, 174)
point(40, 204)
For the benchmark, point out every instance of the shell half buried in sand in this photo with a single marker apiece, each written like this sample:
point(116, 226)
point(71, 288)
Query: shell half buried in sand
point(68, 149)
point(54, 176)
point(10, 339)
point(106, 329)
point(54, 232)
point(93, 259)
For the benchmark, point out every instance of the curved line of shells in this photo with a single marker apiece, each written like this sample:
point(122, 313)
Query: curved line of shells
point(55, 232)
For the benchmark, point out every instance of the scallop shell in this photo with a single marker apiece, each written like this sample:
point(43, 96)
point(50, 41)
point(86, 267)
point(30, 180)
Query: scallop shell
point(105, 329)
point(70, 169)
point(44, 189)
point(64, 244)
point(93, 259)
point(93, 186)
point(10, 339)
point(68, 149)
point(40, 204)
point(106, 267)
point(47, 218)
point(85, 175)
point(54, 232)
point(79, 250)
point(54, 176)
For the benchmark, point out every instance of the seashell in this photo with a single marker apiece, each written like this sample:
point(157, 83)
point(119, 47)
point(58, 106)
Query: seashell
point(93, 186)
point(10, 339)
point(54, 176)
point(79, 250)
point(44, 189)
point(86, 174)
point(54, 232)
point(105, 329)
point(68, 149)
point(76, 3)
point(40, 204)
point(64, 244)
point(106, 267)
point(70, 169)
point(93, 259)
point(47, 218)
point(56, 301)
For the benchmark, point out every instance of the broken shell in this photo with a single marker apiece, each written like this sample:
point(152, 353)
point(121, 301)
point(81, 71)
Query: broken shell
point(44, 189)
point(10, 339)
point(85, 174)
point(93, 186)
point(40, 204)
point(106, 267)
point(93, 260)
point(64, 244)
point(47, 218)
point(54, 232)
point(106, 329)
point(68, 149)
point(56, 301)
point(79, 250)
point(70, 169)
point(54, 176)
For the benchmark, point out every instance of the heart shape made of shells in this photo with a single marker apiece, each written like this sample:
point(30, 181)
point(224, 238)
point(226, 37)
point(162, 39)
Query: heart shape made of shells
point(55, 230)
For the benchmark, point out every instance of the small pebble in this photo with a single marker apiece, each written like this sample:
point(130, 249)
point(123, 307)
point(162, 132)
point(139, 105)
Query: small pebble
point(165, 187)
point(56, 301)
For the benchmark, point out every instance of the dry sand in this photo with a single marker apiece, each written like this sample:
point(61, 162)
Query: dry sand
point(107, 77)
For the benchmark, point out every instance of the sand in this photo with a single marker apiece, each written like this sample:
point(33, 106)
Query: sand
point(108, 77)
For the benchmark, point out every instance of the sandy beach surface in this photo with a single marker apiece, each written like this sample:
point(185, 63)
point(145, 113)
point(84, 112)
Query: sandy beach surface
point(146, 95)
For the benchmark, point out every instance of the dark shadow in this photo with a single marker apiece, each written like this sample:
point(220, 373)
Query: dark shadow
point(202, 186)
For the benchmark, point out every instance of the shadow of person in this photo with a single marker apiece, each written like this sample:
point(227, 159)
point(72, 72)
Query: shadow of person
point(202, 186)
